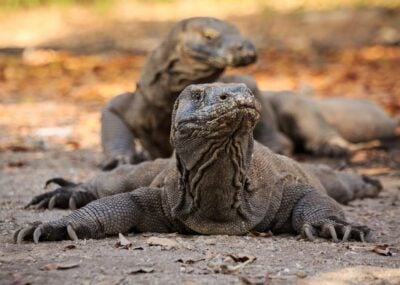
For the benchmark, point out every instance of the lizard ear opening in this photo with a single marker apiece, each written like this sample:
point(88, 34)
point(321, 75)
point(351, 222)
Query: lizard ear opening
point(173, 129)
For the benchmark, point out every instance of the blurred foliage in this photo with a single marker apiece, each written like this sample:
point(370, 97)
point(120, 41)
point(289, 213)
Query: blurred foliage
point(32, 3)
point(271, 4)
point(57, 89)
point(23, 4)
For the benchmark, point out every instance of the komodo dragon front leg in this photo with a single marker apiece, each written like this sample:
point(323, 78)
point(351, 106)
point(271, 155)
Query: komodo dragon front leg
point(139, 210)
point(123, 179)
point(304, 210)
point(318, 215)
point(117, 138)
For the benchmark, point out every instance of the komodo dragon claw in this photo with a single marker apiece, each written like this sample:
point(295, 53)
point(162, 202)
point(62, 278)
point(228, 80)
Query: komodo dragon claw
point(336, 230)
point(60, 182)
point(69, 195)
point(37, 230)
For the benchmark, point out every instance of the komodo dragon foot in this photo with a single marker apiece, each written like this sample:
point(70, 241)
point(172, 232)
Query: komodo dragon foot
point(318, 216)
point(114, 162)
point(91, 221)
point(336, 230)
point(335, 147)
point(69, 195)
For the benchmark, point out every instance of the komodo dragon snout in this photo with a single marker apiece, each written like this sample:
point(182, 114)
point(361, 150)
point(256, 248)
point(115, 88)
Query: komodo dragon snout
point(216, 43)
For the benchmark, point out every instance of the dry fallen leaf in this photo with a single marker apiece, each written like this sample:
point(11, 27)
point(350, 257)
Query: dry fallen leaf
point(137, 248)
point(382, 249)
point(165, 243)
point(16, 148)
point(17, 164)
point(69, 247)
point(141, 270)
point(242, 258)
point(189, 261)
point(59, 266)
point(229, 264)
point(122, 242)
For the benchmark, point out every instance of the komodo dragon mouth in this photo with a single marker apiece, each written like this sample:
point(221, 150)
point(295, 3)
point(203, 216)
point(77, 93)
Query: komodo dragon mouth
point(222, 117)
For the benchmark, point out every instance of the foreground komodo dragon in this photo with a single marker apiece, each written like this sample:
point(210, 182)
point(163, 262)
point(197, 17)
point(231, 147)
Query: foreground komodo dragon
point(196, 50)
point(333, 127)
point(220, 181)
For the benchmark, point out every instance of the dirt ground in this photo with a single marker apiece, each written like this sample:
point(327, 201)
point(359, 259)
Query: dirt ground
point(49, 127)
point(279, 259)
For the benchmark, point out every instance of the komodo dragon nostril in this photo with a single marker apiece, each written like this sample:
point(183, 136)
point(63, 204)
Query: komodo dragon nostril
point(223, 97)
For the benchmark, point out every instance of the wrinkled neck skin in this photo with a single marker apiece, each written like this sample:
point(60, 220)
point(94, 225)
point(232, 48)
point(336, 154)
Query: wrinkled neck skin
point(168, 70)
point(214, 183)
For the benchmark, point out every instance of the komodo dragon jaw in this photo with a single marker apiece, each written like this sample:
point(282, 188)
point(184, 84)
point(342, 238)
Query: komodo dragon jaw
point(213, 135)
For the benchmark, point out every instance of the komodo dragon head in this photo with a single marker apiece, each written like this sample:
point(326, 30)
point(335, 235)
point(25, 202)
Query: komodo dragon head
point(196, 50)
point(212, 132)
point(213, 42)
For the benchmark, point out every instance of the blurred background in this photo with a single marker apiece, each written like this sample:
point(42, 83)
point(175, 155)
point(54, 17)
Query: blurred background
point(61, 60)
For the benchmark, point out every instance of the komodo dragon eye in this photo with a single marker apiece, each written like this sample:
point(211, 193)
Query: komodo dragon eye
point(210, 34)
point(197, 95)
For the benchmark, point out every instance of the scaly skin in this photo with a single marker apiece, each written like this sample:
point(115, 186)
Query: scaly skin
point(195, 50)
point(135, 125)
point(220, 181)
point(326, 127)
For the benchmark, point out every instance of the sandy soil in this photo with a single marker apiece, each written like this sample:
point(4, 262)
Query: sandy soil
point(279, 259)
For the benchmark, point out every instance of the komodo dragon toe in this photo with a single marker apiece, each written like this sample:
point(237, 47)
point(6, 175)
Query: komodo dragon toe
point(335, 230)
point(69, 195)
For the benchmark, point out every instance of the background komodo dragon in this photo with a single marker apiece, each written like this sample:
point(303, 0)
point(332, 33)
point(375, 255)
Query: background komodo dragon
point(196, 50)
point(333, 127)
point(220, 181)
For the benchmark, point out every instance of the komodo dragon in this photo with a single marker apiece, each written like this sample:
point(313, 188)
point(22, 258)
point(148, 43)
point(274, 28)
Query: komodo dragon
point(196, 50)
point(333, 127)
point(219, 181)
